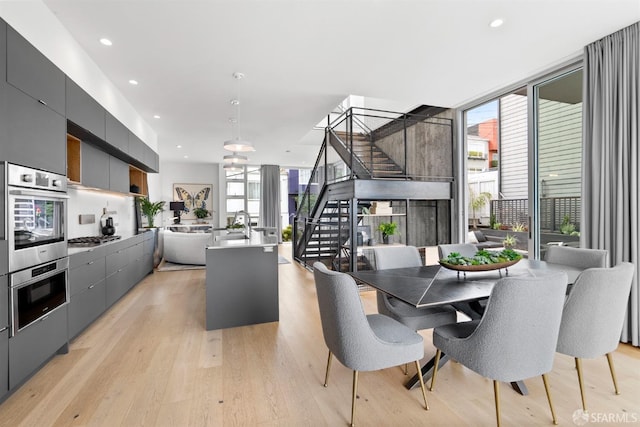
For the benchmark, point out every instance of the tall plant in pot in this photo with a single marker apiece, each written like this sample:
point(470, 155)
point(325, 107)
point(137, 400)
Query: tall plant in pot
point(387, 229)
point(150, 209)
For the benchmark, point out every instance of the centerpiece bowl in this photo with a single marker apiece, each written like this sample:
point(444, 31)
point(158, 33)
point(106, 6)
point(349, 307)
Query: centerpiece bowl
point(480, 267)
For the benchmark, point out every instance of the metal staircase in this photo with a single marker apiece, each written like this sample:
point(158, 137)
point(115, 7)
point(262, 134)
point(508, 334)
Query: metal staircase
point(351, 171)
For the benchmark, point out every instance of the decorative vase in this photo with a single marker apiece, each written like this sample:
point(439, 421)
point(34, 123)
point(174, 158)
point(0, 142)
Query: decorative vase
point(385, 239)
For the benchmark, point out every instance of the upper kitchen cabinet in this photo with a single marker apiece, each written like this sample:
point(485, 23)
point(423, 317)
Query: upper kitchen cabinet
point(3, 50)
point(95, 167)
point(118, 175)
point(136, 147)
point(117, 134)
point(35, 135)
point(85, 111)
point(150, 159)
point(31, 72)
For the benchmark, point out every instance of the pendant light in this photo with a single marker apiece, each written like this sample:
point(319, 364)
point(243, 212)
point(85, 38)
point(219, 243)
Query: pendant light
point(238, 144)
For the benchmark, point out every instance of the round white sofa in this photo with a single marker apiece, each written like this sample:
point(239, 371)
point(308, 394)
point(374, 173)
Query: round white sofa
point(184, 248)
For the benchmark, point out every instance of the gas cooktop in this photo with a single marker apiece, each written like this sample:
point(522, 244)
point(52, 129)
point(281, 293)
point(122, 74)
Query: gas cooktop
point(91, 240)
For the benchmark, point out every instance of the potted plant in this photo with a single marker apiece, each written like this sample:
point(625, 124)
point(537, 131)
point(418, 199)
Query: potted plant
point(477, 202)
point(150, 209)
point(200, 213)
point(509, 241)
point(387, 229)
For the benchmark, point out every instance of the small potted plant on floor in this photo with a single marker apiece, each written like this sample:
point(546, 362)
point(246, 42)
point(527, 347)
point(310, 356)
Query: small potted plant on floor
point(387, 229)
point(150, 209)
point(509, 241)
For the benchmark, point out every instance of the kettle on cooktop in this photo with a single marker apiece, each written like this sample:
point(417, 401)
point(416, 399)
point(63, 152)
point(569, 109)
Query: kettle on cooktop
point(106, 224)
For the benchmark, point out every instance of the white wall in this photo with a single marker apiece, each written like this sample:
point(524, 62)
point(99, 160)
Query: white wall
point(93, 202)
point(184, 173)
point(36, 23)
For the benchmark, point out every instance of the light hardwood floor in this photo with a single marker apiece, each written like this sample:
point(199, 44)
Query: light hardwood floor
point(149, 361)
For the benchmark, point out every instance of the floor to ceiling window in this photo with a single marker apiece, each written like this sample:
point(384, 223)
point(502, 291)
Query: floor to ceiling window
point(243, 192)
point(523, 170)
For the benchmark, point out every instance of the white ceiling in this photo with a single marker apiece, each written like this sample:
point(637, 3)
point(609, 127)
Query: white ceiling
point(302, 58)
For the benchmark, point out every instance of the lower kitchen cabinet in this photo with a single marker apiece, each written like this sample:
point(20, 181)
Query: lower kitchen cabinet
point(4, 363)
point(4, 336)
point(119, 283)
point(35, 344)
point(86, 306)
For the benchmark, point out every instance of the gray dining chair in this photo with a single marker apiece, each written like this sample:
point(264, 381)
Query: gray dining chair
point(577, 257)
point(516, 337)
point(359, 341)
point(415, 318)
point(593, 317)
point(464, 249)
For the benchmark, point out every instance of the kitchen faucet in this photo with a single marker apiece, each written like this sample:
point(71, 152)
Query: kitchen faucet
point(247, 218)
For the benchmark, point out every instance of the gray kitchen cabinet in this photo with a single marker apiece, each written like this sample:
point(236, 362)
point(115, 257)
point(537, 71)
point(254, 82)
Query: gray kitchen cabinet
point(136, 147)
point(35, 344)
point(87, 256)
point(117, 134)
point(118, 284)
point(31, 72)
point(82, 277)
point(3, 51)
point(118, 175)
point(4, 363)
point(117, 260)
point(4, 255)
point(95, 167)
point(150, 159)
point(86, 306)
point(85, 111)
point(34, 135)
point(4, 336)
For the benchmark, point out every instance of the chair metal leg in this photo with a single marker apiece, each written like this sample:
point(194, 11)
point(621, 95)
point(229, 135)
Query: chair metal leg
point(496, 395)
point(353, 397)
point(435, 369)
point(406, 369)
point(424, 393)
point(326, 375)
point(546, 389)
point(579, 368)
point(613, 372)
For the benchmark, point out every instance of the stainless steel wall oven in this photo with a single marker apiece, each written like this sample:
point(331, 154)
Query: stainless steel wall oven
point(36, 212)
point(36, 292)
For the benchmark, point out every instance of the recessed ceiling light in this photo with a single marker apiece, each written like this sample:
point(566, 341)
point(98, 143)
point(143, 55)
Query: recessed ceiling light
point(133, 82)
point(178, 146)
point(105, 41)
point(156, 116)
point(496, 23)
point(186, 157)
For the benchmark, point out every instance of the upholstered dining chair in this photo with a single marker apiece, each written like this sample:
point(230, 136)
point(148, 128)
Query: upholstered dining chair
point(593, 317)
point(516, 337)
point(415, 318)
point(361, 342)
point(577, 257)
point(464, 249)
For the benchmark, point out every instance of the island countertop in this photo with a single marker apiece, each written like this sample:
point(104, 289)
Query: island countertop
point(222, 239)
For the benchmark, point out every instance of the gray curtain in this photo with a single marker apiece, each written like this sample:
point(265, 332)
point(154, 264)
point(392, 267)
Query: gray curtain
point(270, 197)
point(611, 125)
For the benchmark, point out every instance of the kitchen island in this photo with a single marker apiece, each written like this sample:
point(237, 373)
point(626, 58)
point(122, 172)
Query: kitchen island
point(242, 280)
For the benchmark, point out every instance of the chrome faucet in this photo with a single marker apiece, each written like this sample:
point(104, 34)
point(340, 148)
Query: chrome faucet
point(247, 219)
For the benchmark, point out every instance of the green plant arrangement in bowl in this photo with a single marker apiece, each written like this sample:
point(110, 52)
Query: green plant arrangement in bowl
point(236, 227)
point(483, 260)
point(150, 209)
point(387, 229)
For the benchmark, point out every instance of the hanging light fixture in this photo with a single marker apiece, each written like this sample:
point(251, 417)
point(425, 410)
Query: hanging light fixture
point(233, 167)
point(236, 158)
point(238, 144)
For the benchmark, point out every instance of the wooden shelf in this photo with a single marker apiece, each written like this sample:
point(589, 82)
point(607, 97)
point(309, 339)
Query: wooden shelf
point(74, 159)
point(138, 178)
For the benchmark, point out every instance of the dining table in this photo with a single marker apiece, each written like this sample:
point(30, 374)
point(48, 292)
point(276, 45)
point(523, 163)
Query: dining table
point(435, 285)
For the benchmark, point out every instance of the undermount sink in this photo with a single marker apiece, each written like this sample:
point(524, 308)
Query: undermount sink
point(232, 236)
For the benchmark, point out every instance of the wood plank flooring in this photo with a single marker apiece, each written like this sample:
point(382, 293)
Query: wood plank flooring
point(149, 362)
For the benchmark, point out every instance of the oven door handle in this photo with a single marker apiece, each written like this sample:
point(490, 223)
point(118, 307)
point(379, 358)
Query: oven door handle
point(39, 193)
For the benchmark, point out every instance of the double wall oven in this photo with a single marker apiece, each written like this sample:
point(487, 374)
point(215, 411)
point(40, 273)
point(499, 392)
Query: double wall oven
point(36, 209)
